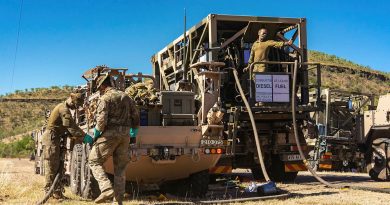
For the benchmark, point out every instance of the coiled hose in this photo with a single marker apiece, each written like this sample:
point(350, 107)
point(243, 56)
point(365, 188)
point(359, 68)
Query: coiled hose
point(314, 173)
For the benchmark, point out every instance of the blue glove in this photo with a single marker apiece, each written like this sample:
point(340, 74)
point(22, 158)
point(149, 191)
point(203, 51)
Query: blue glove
point(133, 132)
point(88, 139)
point(96, 133)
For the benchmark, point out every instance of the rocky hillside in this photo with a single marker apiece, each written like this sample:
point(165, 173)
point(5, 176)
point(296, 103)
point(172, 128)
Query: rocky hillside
point(23, 111)
point(339, 73)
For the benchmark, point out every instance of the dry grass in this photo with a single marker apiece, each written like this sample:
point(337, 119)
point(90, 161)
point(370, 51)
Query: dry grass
point(19, 185)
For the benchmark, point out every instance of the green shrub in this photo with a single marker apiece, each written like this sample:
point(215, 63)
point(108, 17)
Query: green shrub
point(20, 148)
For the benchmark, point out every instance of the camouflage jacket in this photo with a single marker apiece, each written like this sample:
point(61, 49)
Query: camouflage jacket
point(61, 121)
point(116, 113)
point(260, 50)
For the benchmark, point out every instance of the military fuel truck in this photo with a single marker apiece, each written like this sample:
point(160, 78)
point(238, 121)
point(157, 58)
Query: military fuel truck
point(203, 60)
point(168, 153)
point(354, 133)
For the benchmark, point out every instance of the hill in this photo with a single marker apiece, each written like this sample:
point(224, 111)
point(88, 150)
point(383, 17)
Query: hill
point(19, 116)
point(339, 73)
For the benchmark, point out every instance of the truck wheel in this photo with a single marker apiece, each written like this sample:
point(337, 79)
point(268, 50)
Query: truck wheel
point(379, 155)
point(257, 173)
point(277, 172)
point(194, 186)
point(89, 186)
point(42, 163)
point(75, 169)
point(199, 183)
point(37, 170)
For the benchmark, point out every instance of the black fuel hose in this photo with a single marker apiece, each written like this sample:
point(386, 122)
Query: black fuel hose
point(308, 166)
point(48, 194)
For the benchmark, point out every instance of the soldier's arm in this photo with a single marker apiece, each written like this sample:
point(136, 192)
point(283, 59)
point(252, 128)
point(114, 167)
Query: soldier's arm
point(276, 44)
point(101, 114)
point(70, 124)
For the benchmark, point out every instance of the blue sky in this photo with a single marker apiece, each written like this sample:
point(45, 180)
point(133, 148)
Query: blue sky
point(59, 40)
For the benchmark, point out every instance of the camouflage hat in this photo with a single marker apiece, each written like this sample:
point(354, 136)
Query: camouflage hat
point(77, 98)
point(100, 80)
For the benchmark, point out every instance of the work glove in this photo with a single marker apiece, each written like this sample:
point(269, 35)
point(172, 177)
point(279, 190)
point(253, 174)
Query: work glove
point(133, 134)
point(88, 139)
point(96, 133)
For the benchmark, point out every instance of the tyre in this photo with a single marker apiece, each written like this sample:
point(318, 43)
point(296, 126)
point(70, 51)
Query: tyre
point(194, 186)
point(378, 166)
point(277, 172)
point(199, 183)
point(75, 169)
point(37, 169)
point(89, 186)
point(257, 173)
point(42, 163)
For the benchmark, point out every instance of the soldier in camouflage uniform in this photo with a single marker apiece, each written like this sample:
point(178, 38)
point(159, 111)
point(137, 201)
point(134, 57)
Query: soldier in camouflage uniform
point(59, 124)
point(260, 50)
point(116, 117)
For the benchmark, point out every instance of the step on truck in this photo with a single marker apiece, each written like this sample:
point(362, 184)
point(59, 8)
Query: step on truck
point(202, 61)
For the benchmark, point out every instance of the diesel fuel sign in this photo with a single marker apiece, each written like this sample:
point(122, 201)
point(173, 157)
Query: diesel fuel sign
point(272, 88)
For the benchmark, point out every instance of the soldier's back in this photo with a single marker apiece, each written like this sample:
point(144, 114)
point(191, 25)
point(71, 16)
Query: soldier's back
point(54, 121)
point(118, 108)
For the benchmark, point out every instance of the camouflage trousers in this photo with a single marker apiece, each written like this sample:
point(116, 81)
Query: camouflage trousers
point(52, 160)
point(105, 147)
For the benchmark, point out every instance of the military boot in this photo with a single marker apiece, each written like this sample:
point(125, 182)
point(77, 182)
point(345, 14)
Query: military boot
point(105, 196)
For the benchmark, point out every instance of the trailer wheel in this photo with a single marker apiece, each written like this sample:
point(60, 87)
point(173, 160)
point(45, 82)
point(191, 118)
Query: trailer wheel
point(75, 169)
point(379, 155)
point(89, 186)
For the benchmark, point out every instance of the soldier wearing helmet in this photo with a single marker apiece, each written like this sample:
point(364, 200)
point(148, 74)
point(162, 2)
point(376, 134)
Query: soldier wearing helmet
point(116, 117)
point(60, 124)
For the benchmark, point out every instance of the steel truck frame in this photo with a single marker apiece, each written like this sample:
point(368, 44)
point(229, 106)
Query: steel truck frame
point(193, 62)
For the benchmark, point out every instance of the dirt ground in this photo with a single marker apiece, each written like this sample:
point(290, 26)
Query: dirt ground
point(19, 185)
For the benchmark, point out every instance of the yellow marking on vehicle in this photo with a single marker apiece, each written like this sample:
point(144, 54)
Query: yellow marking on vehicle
point(325, 166)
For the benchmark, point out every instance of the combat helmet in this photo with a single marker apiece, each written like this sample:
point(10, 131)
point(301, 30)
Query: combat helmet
point(77, 99)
